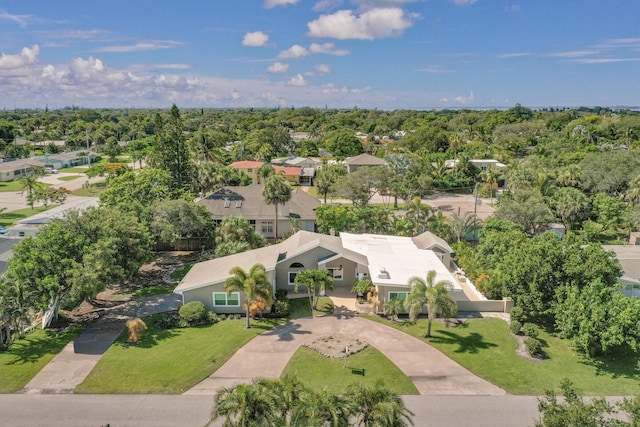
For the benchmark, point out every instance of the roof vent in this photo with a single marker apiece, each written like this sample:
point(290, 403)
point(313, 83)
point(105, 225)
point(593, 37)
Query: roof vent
point(384, 274)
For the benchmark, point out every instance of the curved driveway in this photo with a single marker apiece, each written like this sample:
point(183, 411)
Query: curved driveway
point(266, 356)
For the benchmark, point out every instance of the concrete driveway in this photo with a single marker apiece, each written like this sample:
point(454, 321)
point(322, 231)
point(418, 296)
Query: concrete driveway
point(266, 356)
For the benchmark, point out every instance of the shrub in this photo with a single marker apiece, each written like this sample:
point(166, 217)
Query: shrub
point(281, 294)
point(166, 321)
point(213, 317)
point(515, 326)
point(237, 316)
point(282, 308)
point(222, 317)
point(183, 323)
point(534, 346)
point(531, 330)
point(193, 312)
point(517, 313)
point(136, 327)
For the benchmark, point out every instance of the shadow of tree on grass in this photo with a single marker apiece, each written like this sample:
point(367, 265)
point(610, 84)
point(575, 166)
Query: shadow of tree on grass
point(471, 343)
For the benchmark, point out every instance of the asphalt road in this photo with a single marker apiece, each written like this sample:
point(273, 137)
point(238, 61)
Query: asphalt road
point(73, 410)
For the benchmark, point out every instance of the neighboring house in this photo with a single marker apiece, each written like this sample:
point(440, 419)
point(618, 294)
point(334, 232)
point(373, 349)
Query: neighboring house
point(31, 225)
point(247, 201)
point(353, 163)
point(629, 258)
point(634, 238)
point(16, 169)
point(292, 174)
point(482, 164)
point(303, 162)
point(66, 160)
point(389, 261)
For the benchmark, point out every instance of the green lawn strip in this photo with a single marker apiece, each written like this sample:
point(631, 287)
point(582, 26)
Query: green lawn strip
point(486, 348)
point(366, 367)
point(8, 219)
point(16, 185)
point(93, 191)
point(70, 177)
point(74, 170)
point(169, 361)
point(26, 357)
point(300, 307)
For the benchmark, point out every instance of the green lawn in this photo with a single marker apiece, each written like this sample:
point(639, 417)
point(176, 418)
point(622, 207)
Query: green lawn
point(15, 185)
point(94, 191)
point(300, 307)
point(366, 367)
point(70, 177)
point(74, 170)
point(486, 348)
point(169, 361)
point(26, 357)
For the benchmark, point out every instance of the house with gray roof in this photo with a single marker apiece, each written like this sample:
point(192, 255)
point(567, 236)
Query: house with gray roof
point(353, 163)
point(629, 258)
point(389, 261)
point(16, 169)
point(247, 201)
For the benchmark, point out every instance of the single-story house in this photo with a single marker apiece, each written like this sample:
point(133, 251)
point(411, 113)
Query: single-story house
point(353, 163)
point(389, 261)
point(629, 258)
point(247, 201)
point(66, 159)
point(482, 164)
point(16, 169)
point(634, 238)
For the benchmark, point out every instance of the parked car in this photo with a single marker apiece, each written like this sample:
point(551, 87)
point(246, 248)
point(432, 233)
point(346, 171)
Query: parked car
point(3, 230)
point(51, 170)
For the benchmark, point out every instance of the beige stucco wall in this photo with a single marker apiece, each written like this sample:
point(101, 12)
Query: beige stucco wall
point(205, 294)
point(309, 259)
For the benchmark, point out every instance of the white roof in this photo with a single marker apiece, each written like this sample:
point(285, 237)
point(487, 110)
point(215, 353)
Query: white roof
point(393, 260)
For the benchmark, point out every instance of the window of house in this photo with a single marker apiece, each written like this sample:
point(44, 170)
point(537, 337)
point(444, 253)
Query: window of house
point(400, 295)
point(294, 269)
point(267, 227)
point(250, 170)
point(337, 273)
point(252, 223)
point(221, 299)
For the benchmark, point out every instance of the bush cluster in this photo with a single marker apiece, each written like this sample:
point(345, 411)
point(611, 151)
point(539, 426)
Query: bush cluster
point(531, 330)
point(515, 327)
point(534, 346)
point(194, 313)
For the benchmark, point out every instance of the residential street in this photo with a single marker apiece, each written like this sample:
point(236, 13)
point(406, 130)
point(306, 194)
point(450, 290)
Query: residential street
point(73, 410)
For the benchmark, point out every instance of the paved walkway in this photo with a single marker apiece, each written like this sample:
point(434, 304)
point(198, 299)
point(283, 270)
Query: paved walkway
point(72, 365)
point(266, 356)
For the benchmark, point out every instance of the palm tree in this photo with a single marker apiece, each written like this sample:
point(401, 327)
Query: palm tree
point(461, 225)
point(490, 178)
point(434, 294)
point(254, 284)
point(247, 405)
point(418, 213)
point(393, 307)
point(320, 409)
point(265, 171)
point(377, 406)
point(316, 282)
point(633, 191)
point(276, 191)
point(31, 185)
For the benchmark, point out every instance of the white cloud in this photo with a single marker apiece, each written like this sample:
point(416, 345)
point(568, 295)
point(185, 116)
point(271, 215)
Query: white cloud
point(465, 99)
point(331, 88)
point(370, 25)
point(513, 55)
point(173, 66)
point(139, 47)
point(255, 39)
point(463, 2)
point(297, 80)
point(21, 20)
point(27, 56)
point(268, 4)
point(328, 49)
point(295, 51)
point(278, 67)
point(435, 69)
point(323, 68)
point(326, 5)
point(575, 53)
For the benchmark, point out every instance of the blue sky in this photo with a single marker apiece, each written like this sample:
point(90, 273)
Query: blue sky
point(386, 54)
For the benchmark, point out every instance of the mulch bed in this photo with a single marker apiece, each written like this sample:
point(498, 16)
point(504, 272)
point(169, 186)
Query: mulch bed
point(333, 346)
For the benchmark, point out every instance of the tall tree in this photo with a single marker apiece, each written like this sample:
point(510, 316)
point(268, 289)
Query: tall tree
point(247, 405)
point(490, 178)
point(253, 283)
point(276, 191)
point(434, 294)
point(31, 184)
point(172, 150)
point(377, 406)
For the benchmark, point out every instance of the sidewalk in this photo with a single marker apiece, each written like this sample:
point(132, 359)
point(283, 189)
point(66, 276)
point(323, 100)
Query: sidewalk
point(266, 356)
point(72, 365)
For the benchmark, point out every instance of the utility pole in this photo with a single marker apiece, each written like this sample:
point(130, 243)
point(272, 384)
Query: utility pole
point(88, 149)
point(475, 216)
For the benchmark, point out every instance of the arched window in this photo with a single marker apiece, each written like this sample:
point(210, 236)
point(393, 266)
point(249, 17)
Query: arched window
point(294, 269)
